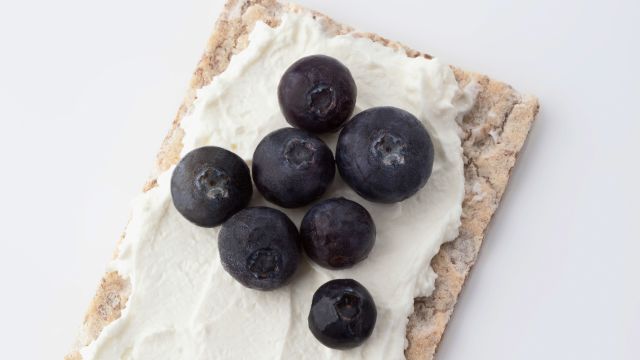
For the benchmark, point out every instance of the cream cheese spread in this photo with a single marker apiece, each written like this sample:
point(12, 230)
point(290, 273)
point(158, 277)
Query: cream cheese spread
point(183, 305)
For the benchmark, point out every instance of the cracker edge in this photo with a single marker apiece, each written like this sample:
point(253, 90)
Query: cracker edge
point(493, 133)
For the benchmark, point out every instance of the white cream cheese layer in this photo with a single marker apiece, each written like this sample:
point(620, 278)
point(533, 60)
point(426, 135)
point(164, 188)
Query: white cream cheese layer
point(184, 306)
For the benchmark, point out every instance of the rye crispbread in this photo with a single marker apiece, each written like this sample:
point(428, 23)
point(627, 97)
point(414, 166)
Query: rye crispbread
point(493, 133)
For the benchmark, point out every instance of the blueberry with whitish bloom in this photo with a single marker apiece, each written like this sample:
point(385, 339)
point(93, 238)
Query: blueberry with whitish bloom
point(210, 184)
point(292, 167)
point(385, 154)
point(317, 93)
point(259, 247)
point(337, 233)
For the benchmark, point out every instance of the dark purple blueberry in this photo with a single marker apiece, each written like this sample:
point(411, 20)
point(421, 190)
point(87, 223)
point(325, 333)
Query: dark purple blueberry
point(209, 185)
point(337, 233)
point(317, 93)
point(342, 314)
point(292, 167)
point(259, 247)
point(385, 154)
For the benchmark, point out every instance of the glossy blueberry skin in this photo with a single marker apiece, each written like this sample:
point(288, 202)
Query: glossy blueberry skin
point(292, 167)
point(385, 154)
point(342, 314)
point(209, 185)
point(317, 93)
point(259, 247)
point(337, 233)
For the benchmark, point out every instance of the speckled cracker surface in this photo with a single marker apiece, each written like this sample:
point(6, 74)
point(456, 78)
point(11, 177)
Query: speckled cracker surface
point(493, 133)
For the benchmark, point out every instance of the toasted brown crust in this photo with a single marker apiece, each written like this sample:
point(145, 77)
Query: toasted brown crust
point(494, 131)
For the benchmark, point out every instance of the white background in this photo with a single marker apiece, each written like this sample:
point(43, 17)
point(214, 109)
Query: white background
point(88, 90)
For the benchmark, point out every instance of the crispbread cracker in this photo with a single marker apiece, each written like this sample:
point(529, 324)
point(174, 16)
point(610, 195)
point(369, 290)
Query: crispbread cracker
point(493, 133)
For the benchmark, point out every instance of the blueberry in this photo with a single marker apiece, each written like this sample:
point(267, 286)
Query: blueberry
point(209, 185)
point(337, 233)
point(292, 167)
point(385, 154)
point(342, 314)
point(317, 93)
point(259, 247)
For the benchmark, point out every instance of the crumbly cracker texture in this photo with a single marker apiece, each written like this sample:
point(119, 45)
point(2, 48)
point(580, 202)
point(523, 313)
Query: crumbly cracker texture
point(493, 133)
